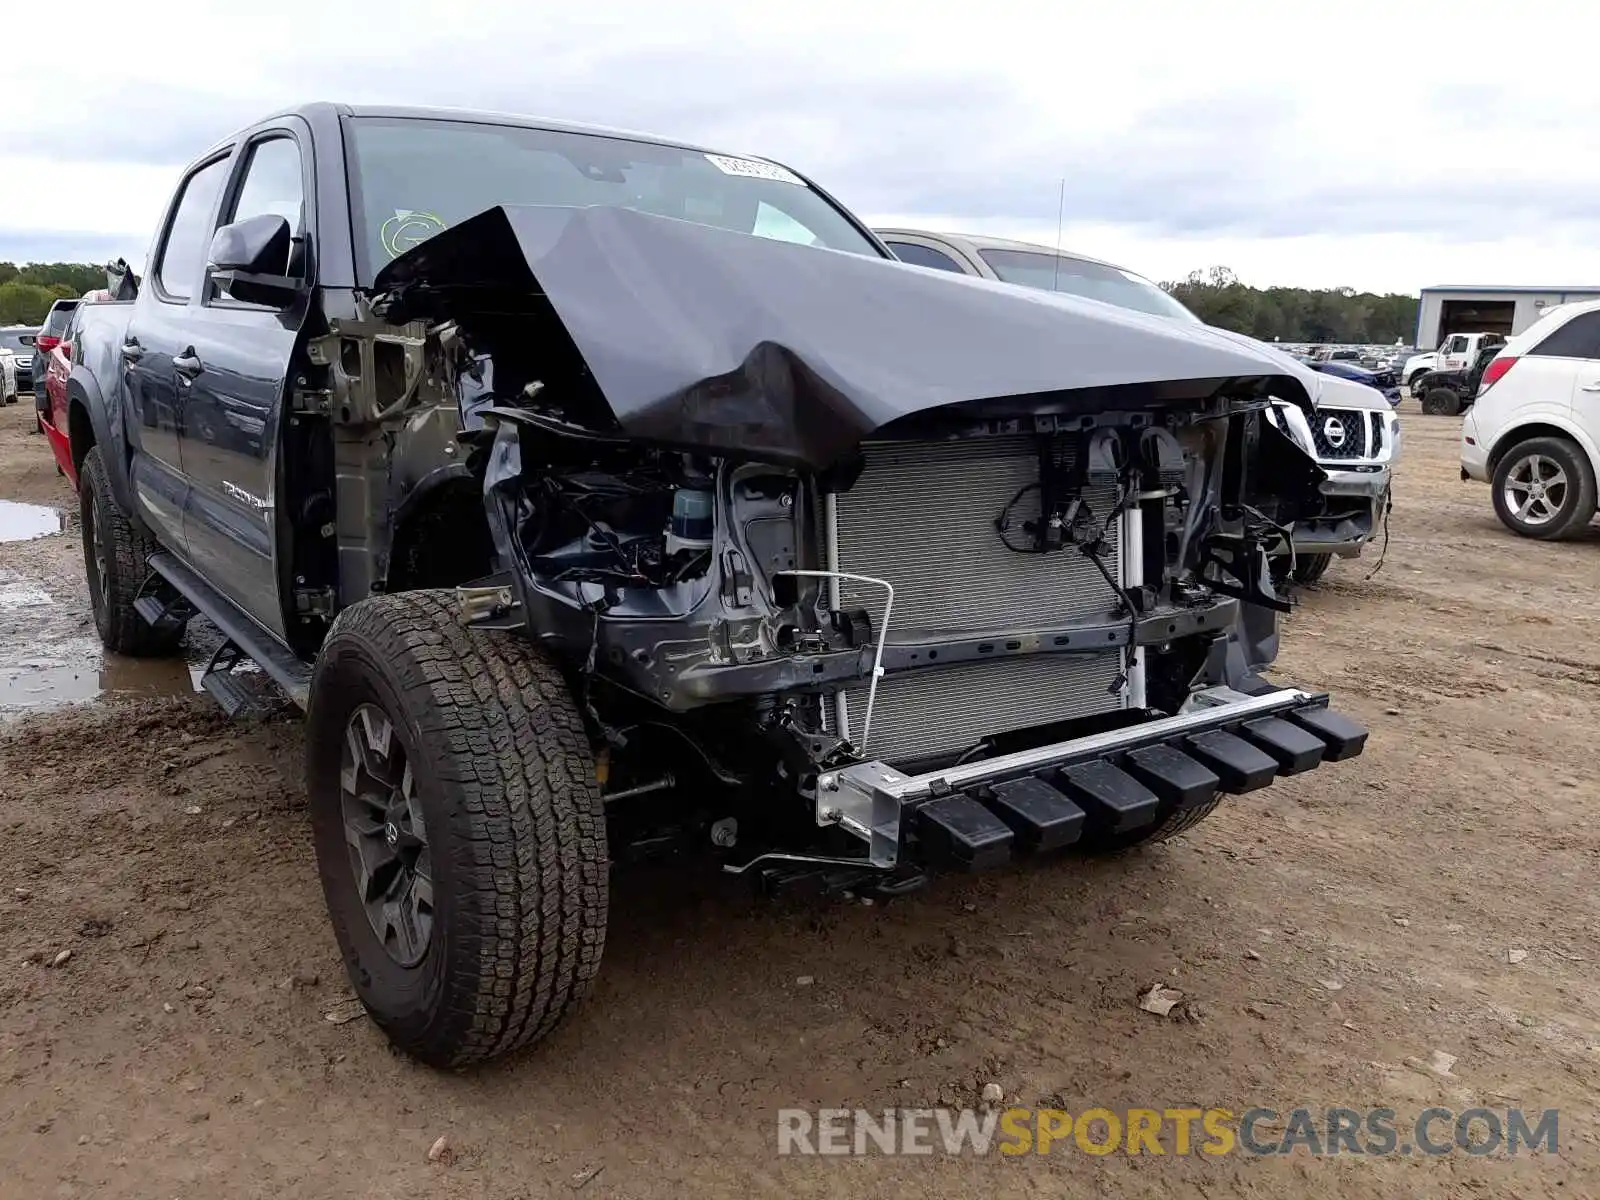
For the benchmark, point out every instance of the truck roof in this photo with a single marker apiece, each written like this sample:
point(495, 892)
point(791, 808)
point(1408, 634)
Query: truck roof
point(312, 111)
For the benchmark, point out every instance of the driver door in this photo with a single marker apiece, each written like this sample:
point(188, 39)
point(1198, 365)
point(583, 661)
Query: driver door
point(233, 373)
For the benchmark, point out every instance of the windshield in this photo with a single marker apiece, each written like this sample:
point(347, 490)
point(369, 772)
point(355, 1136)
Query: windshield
point(11, 339)
point(413, 178)
point(1097, 281)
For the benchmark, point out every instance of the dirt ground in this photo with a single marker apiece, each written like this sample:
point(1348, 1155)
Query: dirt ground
point(1334, 930)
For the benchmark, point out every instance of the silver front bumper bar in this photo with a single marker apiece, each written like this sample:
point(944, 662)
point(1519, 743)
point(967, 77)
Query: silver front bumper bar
point(1289, 730)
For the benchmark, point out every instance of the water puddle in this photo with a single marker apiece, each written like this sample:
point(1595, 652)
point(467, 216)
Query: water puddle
point(78, 670)
point(24, 522)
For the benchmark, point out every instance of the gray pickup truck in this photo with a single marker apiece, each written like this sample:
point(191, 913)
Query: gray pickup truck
point(601, 497)
point(1353, 434)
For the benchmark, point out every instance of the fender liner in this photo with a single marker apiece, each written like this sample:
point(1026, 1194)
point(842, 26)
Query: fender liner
point(109, 434)
point(426, 486)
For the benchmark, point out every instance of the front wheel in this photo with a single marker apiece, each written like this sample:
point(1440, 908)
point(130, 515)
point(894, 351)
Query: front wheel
point(1545, 488)
point(458, 828)
point(1441, 402)
point(1308, 568)
point(1164, 827)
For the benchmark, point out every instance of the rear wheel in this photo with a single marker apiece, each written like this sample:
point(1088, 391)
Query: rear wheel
point(458, 827)
point(1545, 488)
point(115, 560)
point(1441, 402)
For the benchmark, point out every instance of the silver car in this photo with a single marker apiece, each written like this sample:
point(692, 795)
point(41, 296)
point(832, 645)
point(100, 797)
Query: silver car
point(1355, 436)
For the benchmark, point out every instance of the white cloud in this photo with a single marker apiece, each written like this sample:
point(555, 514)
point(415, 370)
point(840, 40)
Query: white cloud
point(1295, 145)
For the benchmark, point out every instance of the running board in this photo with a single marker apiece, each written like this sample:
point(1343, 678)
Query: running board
point(279, 663)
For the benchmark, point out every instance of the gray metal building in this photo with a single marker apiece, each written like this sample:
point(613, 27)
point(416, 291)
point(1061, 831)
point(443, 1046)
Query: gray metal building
point(1487, 309)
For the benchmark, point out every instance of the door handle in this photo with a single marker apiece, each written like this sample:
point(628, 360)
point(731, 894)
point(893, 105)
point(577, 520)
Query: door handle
point(1592, 387)
point(132, 351)
point(187, 364)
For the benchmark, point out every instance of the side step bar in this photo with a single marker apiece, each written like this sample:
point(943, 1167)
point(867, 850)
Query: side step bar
point(980, 814)
point(280, 663)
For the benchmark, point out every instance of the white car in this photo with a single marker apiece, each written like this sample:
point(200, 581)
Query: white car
point(8, 377)
point(1534, 430)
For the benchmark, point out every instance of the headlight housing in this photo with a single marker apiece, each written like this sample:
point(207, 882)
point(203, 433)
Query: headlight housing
point(1288, 419)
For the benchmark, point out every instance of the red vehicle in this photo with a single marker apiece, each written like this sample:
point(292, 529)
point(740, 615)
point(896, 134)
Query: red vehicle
point(52, 366)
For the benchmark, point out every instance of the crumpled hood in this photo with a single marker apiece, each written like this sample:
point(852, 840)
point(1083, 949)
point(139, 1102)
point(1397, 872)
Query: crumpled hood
point(1322, 387)
point(706, 338)
point(1288, 364)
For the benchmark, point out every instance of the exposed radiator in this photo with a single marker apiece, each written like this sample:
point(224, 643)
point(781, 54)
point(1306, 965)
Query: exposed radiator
point(922, 516)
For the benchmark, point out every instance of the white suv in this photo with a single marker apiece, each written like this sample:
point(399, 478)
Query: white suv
point(1534, 430)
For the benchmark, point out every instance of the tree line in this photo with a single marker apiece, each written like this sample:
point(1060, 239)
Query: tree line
point(27, 292)
point(1286, 314)
point(1216, 296)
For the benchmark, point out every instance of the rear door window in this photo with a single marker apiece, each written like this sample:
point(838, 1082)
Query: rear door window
point(55, 322)
point(924, 256)
point(189, 232)
point(1578, 338)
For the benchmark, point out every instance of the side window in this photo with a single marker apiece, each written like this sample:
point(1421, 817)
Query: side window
point(189, 233)
point(924, 256)
point(272, 184)
point(1455, 345)
point(1578, 338)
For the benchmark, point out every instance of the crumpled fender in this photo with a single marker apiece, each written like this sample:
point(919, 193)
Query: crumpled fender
point(710, 339)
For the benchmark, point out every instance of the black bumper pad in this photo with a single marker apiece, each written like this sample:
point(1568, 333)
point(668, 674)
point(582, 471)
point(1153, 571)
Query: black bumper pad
point(1342, 736)
point(1039, 815)
point(1125, 788)
point(1180, 781)
point(958, 831)
point(1114, 800)
point(1238, 764)
point(1293, 748)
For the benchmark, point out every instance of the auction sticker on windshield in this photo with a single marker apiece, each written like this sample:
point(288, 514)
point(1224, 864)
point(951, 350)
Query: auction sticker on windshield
point(752, 168)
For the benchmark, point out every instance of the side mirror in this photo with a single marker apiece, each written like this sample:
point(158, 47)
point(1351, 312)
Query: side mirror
point(249, 259)
point(27, 339)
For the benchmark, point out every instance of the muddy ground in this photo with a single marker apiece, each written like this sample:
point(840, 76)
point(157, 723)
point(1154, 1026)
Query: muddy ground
point(1334, 931)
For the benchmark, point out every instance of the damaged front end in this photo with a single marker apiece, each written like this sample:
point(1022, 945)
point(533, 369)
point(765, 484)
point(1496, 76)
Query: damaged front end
point(873, 568)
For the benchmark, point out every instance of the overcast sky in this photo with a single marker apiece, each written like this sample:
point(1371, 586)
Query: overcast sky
point(1381, 146)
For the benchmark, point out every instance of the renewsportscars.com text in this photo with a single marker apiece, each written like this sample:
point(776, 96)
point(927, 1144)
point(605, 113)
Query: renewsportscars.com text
point(1256, 1131)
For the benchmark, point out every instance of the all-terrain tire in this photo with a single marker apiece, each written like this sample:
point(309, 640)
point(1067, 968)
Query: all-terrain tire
point(500, 766)
point(1441, 402)
point(1164, 827)
point(115, 561)
point(1578, 504)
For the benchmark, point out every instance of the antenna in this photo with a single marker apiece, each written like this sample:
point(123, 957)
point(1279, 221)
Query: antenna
point(1061, 214)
